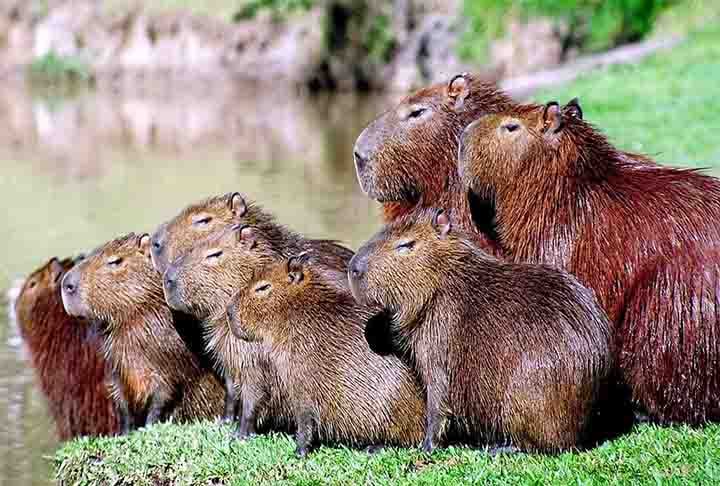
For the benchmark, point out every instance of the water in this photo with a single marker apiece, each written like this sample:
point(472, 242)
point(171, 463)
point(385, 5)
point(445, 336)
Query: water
point(79, 168)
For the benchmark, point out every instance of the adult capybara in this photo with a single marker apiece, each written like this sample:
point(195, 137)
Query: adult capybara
point(201, 283)
point(643, 237)
point(65, 355)
point(155, 375)
point(177, 236)
point(514, 354)
point(407, 157)
point(340, 391)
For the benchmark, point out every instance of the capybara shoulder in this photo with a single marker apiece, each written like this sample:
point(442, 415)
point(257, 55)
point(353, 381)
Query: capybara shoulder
point(65, 355)
point(565, 196)
point(200, 219)
point(117, 287)
point(340, 391)
point(513, 352)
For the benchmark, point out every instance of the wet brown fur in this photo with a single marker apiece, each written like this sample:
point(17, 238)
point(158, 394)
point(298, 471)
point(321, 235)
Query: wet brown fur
point(340, 391)
point(203, 287)
point(642, 236)
point(513, 353)
point(413, 162)
point(155, 375)
point(65, 355)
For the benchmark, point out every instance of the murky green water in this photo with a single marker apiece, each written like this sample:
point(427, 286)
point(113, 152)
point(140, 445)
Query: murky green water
point(78, 170)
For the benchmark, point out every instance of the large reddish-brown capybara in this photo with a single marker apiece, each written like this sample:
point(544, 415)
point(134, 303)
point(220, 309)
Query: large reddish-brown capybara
point(340, 391)
point(65, 355)
point(198, 220)
point(407, 157)
point(202, 281)
point(515, 354)
point(155, 376)
point(643, 236)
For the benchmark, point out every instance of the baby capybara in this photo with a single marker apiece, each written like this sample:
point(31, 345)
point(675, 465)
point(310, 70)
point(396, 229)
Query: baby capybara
point(340, 391)
point(201, 283)
point(644, 237)
point(155, 375)
point(513, 353)
point(65, 354)
point(177, 236)
point(407, 157)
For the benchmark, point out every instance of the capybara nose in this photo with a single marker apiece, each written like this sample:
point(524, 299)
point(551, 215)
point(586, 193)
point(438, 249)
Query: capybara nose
point(360, 159)
point(358, 267)
point(170, 278)
point(70, 284)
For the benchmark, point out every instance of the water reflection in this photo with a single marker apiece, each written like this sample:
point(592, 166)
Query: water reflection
point(79, 168)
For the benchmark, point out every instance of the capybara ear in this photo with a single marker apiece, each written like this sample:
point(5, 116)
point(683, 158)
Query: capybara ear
point(56, 269)
point(237, 204)
point(441, 223)
point(458, 90)
point(245, 234)
point(552, 118)
point(296, 267)
point(573, 109)
point(144, 244)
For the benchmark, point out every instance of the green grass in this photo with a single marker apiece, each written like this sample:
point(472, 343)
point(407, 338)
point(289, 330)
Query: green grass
point(206, 454)
point(667, 105)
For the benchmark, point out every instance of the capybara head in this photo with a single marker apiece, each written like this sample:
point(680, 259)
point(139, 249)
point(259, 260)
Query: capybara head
point(202, 281)
point(502, 149)
point(278, 295)
point(401, 267)
point(409, 152)
point(112, 280)
point(39, 289)
point(177, 236)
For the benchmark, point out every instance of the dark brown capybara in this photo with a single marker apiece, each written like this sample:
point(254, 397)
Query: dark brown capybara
point(407, 157)
point(155, 375)
point(514, 354)
point(66, 357)
point(201, 284)
point(340, 391)
point(207, 217)
point(644, 237)
point(177, 236)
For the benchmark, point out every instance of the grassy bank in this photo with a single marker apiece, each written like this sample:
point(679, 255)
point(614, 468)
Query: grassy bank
point(206, 454)
point(665, 106)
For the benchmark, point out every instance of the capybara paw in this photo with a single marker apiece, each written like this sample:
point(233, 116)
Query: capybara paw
point(427, 446)
point(302, 451)
point(374, 449)
point(243, 435)
point(497, 450)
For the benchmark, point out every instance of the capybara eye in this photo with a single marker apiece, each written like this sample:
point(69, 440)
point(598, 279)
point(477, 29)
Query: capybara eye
point(417, 112)
point(405, 246)
point(32, 284)
point(214, 254)
point(202, 221)
point(115, 261)
point(511, 127)
point(262, 288)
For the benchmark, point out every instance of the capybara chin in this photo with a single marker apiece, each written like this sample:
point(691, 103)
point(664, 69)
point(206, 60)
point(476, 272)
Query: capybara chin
point(407, 157)
point(515, 354)
point(340, 391)
point(644, 237)
point(65, 355)
point(201, 283)
point(155, 375)
point(177, 236)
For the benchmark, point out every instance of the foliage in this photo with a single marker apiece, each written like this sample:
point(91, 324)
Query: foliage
point(52, 66)
point(278, 8)
point(591, 25)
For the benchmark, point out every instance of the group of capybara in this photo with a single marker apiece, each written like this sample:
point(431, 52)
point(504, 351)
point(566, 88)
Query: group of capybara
point(534, 289)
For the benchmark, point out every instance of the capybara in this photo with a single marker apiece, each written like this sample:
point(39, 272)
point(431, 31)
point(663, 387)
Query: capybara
point(156, 376)
point(514, 354)
point(201, 283)
point(65, 355)
point(644, 237)
point(407, 157)
point(177, 236)
point(341, 392)
point(212, 215)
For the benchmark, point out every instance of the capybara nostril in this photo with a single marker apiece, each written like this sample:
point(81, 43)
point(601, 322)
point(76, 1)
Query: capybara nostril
point(357, 269)
point(360, 159)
